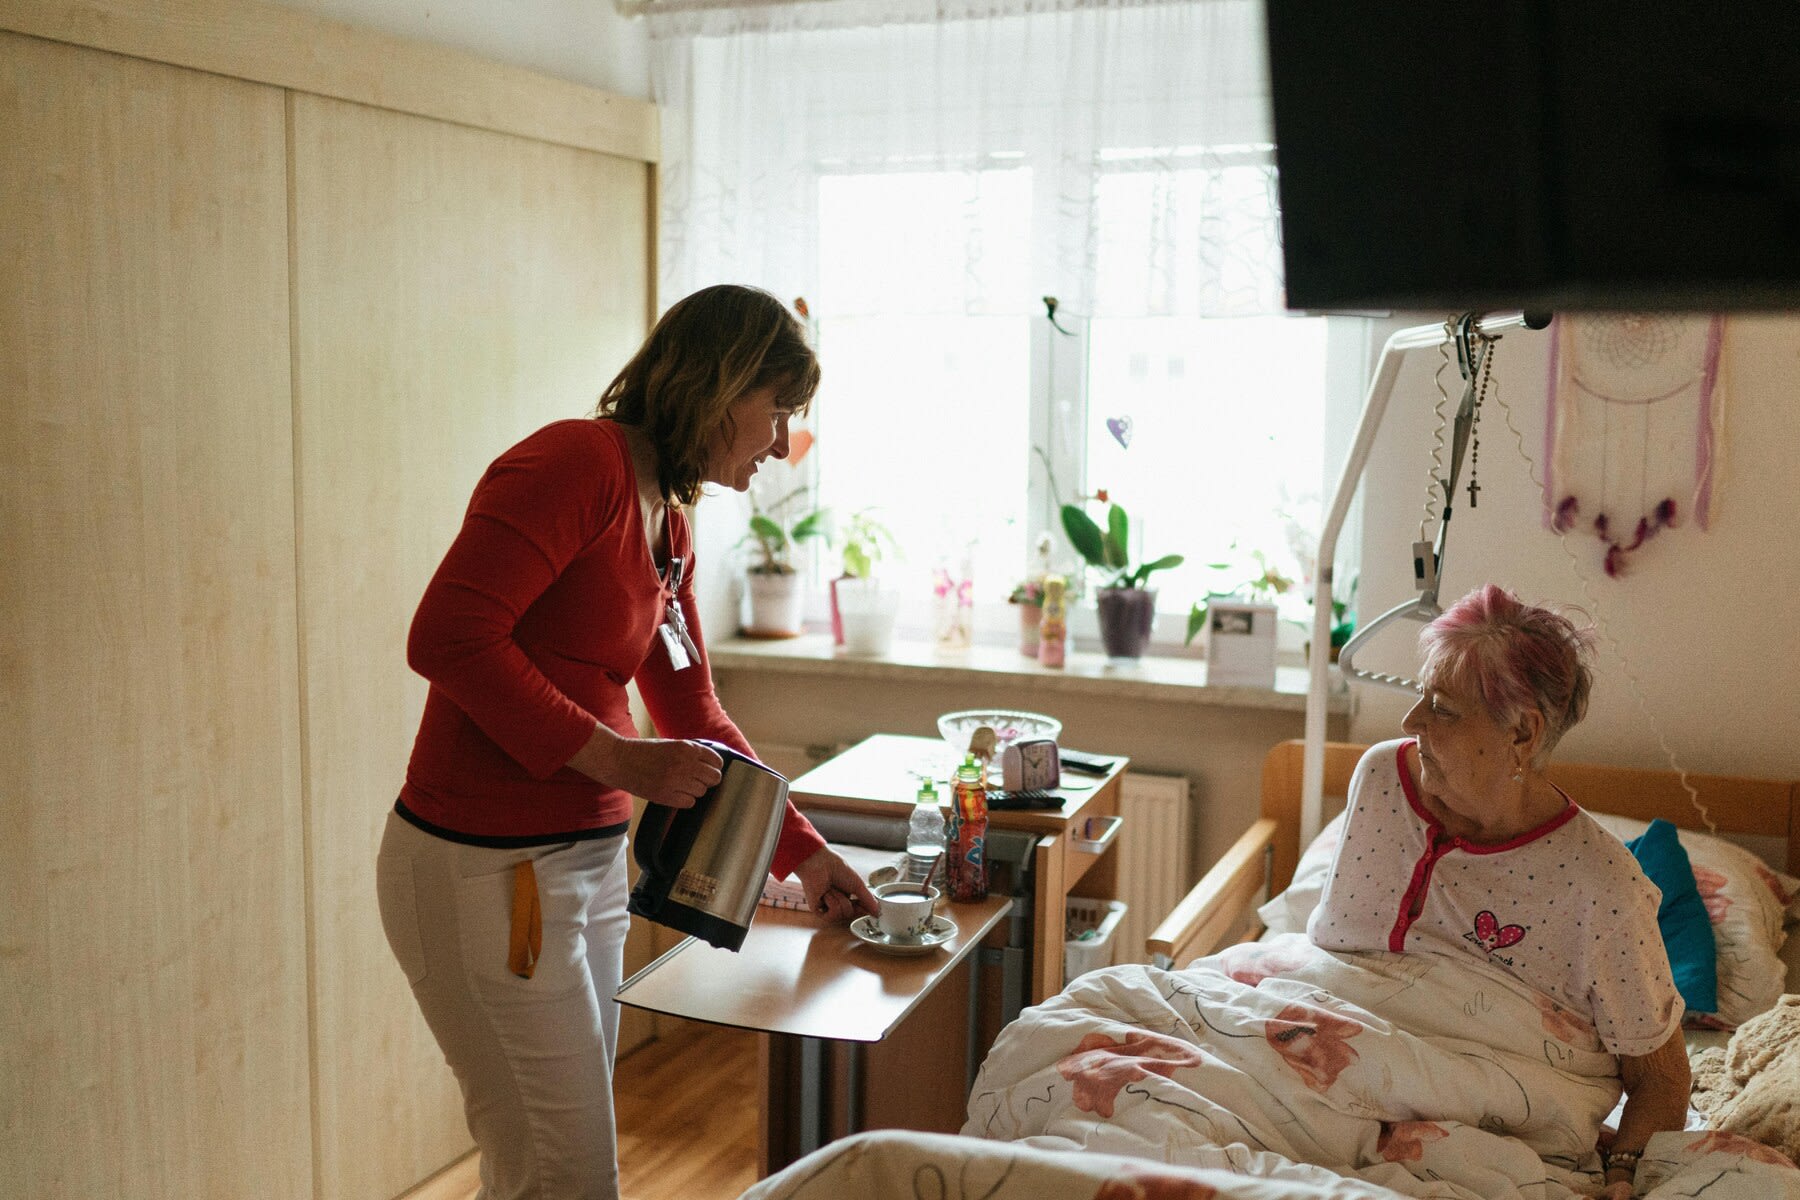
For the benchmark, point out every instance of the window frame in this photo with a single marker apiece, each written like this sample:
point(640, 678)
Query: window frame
point(1058, 373)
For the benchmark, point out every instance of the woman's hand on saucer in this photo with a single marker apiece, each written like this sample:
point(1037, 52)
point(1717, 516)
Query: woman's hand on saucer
point(660, 770)
point(833, 888)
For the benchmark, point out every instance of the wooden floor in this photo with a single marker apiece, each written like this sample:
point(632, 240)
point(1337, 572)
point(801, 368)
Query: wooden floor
point(687, 1122)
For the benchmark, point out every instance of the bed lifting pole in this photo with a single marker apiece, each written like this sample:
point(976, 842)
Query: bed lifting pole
point(1470, 331)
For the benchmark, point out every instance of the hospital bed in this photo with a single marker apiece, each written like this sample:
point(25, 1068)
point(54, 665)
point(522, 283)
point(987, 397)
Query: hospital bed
point(1127, 1066)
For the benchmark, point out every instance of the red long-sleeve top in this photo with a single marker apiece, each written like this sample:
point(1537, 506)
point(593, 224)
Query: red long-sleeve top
point(545, 606)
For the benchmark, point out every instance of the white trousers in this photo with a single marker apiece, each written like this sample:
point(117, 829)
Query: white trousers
point(534, 1057)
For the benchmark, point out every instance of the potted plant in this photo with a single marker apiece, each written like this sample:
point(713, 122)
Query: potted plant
point(1028, 595)
point(1343, 617)
point(864, 607)
point(1125, 602)
point(777, 596)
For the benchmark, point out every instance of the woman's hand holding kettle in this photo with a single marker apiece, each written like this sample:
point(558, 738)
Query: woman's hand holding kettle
point(660, 770)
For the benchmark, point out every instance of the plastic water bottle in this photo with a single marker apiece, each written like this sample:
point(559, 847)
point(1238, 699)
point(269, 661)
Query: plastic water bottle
point(924, 836)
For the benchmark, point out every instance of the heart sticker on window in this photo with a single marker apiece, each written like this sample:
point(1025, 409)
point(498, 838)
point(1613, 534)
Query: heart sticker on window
point(799, 442)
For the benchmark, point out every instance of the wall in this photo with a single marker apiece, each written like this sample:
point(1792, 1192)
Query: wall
point(1708, 623)
point(583, 41)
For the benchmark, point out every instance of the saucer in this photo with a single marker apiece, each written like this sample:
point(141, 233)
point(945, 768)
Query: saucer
point(868, 932)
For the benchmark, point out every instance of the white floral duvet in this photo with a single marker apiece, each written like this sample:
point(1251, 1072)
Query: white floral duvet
point(1263, 1073)
point(1268, 1061)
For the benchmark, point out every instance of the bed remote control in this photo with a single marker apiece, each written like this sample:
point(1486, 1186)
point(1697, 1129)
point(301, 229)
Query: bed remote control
point(1087, 764)
point(1009, 801)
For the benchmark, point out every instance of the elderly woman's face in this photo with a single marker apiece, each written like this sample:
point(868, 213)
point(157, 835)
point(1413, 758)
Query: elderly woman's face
point(1465, 755)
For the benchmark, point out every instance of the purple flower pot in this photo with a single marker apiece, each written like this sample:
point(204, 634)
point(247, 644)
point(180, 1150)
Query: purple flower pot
point(1126, 615)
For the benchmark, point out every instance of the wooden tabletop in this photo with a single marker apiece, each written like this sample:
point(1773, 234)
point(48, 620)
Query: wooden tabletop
point(797, 976)
point(880, 775)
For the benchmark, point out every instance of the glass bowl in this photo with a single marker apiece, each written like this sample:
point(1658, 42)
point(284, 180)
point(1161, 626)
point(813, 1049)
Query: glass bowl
point(1008, 725)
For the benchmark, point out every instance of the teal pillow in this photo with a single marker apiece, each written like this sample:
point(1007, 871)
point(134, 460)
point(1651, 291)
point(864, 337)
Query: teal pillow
point(1686, 931)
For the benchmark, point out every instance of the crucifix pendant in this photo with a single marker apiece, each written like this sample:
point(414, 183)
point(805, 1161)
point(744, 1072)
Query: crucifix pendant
point(1473, 489)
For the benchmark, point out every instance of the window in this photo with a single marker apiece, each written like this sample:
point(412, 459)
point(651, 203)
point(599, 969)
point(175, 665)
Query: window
point(963, 431)
point(924, 417)
point(923, 175)
point(1225, 455)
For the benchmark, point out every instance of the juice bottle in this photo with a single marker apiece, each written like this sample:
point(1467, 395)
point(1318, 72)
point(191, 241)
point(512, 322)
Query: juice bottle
point(968, 833)
point(1053, 629)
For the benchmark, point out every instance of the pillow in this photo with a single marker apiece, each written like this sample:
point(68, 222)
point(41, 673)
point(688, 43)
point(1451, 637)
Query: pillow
point(1748, 905)
point(1686, 930)
point(1289, 912)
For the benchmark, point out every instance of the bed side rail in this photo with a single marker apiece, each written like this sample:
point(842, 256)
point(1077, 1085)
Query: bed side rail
point(1225, 895)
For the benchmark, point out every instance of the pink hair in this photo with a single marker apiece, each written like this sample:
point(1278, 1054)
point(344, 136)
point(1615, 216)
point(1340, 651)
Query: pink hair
point(1516, 657)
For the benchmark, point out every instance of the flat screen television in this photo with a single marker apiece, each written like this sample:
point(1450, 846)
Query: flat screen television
point(1546, 154)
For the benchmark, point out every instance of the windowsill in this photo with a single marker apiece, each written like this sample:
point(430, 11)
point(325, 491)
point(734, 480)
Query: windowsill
point(1170, 680)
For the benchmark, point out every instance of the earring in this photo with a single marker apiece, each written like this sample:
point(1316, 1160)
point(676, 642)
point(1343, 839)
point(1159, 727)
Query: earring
point(1519, 775)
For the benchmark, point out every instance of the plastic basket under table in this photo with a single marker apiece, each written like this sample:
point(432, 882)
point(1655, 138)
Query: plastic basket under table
point(1099, 920)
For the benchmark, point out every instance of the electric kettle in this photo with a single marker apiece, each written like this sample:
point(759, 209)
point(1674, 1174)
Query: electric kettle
point(702, 868)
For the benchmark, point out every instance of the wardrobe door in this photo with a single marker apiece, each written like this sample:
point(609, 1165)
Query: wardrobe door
point(455, 290)
point(152, 894)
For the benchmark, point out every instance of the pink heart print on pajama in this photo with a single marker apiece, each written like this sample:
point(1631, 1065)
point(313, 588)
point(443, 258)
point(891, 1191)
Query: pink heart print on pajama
point(1490, 935)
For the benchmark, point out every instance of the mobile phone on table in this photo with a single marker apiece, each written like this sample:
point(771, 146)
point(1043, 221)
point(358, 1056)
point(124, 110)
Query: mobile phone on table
point(1086, 764)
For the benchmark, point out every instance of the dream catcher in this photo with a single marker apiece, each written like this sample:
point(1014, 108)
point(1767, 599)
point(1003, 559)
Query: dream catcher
point(1634, 426)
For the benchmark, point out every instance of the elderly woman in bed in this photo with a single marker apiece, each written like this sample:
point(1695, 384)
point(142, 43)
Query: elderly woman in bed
point(1456, 843)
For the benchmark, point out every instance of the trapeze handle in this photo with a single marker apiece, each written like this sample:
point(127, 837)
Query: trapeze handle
point(1420, 610)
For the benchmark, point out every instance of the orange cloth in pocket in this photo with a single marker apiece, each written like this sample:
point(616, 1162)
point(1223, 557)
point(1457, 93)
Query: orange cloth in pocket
point(527, 940)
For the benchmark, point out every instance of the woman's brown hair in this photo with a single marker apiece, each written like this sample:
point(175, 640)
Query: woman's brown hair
point(709, 349)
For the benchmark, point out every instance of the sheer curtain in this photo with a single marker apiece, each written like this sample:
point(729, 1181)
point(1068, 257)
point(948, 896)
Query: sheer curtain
point(924, 173)
point(1154, 113)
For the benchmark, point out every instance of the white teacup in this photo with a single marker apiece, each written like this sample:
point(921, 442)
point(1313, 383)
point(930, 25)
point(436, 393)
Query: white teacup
point(905, 914)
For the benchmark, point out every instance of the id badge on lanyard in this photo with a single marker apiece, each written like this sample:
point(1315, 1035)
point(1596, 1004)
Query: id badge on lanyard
point(674, 631)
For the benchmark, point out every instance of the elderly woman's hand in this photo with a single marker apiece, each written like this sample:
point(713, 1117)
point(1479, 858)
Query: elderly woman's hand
point(1618, 1190)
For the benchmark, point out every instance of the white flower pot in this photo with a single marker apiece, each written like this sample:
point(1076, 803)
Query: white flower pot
point(869, 609)
point(777, 606)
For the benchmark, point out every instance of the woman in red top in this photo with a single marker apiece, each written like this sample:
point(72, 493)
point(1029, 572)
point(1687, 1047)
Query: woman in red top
point(571, 577)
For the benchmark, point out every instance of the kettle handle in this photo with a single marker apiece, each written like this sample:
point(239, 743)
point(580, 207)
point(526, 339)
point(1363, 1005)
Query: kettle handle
point(652, 834)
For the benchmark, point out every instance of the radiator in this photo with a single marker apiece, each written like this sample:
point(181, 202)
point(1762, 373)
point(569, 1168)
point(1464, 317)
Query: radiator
point(1153, 848)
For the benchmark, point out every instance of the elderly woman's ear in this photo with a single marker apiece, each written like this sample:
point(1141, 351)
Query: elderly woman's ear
point(1528, 735)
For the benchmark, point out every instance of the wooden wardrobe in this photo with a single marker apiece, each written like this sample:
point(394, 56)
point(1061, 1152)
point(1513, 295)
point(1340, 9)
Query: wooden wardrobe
point(273, 291)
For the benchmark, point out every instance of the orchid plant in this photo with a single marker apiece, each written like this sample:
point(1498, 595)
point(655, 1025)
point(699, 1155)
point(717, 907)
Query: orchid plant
point(1107, 550)
point(1030, 590)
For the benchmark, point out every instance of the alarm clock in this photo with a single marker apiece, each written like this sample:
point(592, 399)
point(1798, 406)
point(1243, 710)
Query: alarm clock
point(1030, 766)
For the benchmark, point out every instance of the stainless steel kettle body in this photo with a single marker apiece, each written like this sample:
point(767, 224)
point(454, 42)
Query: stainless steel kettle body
point(702, 868)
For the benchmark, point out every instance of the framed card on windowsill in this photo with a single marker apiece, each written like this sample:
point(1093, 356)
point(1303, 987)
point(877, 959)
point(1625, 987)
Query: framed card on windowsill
point(1240, 643)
